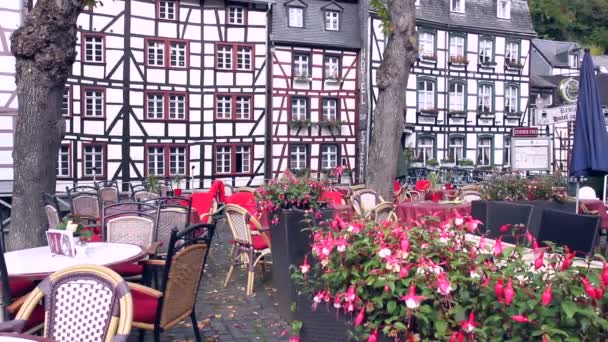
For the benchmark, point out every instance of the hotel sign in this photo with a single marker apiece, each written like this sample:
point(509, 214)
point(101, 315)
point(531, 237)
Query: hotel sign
point(553, 115)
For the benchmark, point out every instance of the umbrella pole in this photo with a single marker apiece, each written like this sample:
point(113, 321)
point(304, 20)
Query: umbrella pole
point(578, 184)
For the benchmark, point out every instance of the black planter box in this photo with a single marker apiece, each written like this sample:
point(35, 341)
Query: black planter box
point(289, 247)
point(478, 211)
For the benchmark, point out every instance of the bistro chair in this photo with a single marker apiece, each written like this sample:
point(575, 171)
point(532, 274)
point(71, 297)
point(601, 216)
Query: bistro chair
point(85, 203)
point(383, 212)
point(247, 248)
point(245, 189)
point(228, 190)
point(170, 215)
point(470, 196)
point(578, 232)
point(587, 192)
point(365, 201)
point(144, 195)
point(501, 213)
point(159, 311)
point(52, 216)
point(53, 200)
point(108, 192)
point(82, 303)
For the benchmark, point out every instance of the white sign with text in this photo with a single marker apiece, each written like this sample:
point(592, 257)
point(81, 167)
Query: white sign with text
point(530, 154)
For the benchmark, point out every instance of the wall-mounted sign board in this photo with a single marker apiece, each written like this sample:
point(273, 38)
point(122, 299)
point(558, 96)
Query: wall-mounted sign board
point(530, 154)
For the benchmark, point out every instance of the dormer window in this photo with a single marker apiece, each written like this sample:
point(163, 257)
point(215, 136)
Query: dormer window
point(296, 17)
point(504, 9)
point(332, 20)
point(573, 60)
point(457, 6)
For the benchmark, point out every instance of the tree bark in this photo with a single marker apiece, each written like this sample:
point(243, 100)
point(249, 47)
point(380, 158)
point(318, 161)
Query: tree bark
point(44, 48)
point(389, 117)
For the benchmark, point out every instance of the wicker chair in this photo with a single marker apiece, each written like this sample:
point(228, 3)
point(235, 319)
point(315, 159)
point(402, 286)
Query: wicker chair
point(85, 203)
point(228, 190)
point(159, 311)
point(470, 196)
point(83, 303)
point(108, 192)
point(365, 201)
point(244, 189)
point(247, 248)
point(52, 216)
point(169, 217)
point(143, 196)
point(383, 212)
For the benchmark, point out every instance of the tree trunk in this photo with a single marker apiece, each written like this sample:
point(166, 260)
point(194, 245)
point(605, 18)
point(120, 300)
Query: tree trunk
point(44, 48)
point(389, 117)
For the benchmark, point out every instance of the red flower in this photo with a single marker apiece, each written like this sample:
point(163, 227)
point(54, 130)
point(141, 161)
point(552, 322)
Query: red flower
point(509, 293)
point(505, 228)
point(498, 247)
point(422, 185)
point(294, 339)
point(457, 337)
point(539, 262)
point(547, 296)
point(412, 301)
point(373, 337)
point(499, 289)
point(520, 319)
point(589, 289)
point(469, 325)
point(360, 317)
point(305, 267)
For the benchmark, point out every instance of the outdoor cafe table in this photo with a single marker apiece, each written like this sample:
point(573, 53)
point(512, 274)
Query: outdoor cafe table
point(38, 263)
point(408, 211)
point(13, 337)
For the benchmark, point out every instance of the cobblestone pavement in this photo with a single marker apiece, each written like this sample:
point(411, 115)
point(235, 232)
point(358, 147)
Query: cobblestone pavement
point(227, 314)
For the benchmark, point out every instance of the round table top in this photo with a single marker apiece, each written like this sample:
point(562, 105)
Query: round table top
point(39, 262)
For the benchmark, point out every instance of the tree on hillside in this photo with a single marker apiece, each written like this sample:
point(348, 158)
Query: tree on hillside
point(399, 20)
point(45, 49)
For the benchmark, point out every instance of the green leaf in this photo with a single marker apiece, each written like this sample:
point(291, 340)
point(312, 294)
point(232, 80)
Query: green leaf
point(441, 327)
point(391, 306)
point(459, 313)
point(569, 308)
point(399, 326)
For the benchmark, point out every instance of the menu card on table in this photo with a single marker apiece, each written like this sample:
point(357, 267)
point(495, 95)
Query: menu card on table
point(61, 242)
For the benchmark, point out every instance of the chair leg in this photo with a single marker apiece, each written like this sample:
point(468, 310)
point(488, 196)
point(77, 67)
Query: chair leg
point(142, 335)
point(250, 277)
point(156, 334)
point(197, 333)
point(229, 275)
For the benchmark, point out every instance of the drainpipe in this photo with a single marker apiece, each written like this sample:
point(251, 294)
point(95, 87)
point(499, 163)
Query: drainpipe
point(268, 160)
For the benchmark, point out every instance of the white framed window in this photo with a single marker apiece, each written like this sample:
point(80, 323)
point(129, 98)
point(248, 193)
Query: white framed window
point(299, 108)
point(484, 151)
point(224, 57)
point(330, 110)
point(236, 15)
point(511, 99)
point(156, 53)
point(512, 52)
point(573, 60)
point(298, 157)
point(485, 94)
point(94, 163)
point(296, 17)
point(93, 48)
point(456, 149)
point(457, 6)
point(486, 50)
point(223, 159)
point(457, 46)
point(242, 160)
point(506, 154)
point(64, 164)
point(300, 66)
point(426, 44)
point(243, 58)
point(66, 105)
point(332, 20)
point(426, 95)
point(93, 103)
point(156, 106)
point(504, 9)
point(332, 67)
point(425, 149)
point(243, 108)
point(457, 96)
point(329, 157)
point(167, 9)
point(177, 107)
point(156, 161)
point(177, 161)
point(178, 52)
point(223, 107)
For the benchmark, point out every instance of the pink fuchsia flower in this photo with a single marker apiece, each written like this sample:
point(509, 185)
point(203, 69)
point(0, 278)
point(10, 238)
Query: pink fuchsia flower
point(457, 337)
point(305, 267)
point(341, 244)
point(605, 275)
point(472, 224)
point(443, 285)
point(505, 228)
point(317, 299)
point(360, 317)
point(567, 260)
point(499, 289)
point(355, 228)
point(509, 293)
point(404, 271)
point(498, 247)
point(373, 337)
point(545, 339)
point(529, 237)
point(412, 301)
point(539, 261)
point(520, 319)
point(351, 294)
point(294, 338)
point(338, 301)
point(547, 296)
point(469, 325)
point(482, 243)
point(384, 253)
point(458, 221)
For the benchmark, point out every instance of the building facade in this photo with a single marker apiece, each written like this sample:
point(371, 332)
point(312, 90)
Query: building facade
point(470, 84)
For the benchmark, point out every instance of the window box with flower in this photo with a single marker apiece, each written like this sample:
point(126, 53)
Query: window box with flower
point(512, 114)
point(513, 64)
point(485, 112)
point(458, 61)
point(330, 125)
point(429, 111)
point(428, 58)
point(332, 78)
point(300, 124)
point(302, 77)
point(457, 114)
point(487, 64)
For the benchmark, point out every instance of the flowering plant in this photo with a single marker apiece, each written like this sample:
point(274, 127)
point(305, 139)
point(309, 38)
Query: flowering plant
point(514, 188)
point(76, 228)
point(434, 280)
point(290, 192)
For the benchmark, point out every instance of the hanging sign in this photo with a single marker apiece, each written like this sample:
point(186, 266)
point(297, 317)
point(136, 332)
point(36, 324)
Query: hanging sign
point(553, 115)
point(530, 154)
point(568, 89)
point(525, 132)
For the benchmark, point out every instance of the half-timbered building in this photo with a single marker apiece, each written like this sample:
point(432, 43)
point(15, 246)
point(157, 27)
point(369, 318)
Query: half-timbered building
point(470, 83)
point(314, 87)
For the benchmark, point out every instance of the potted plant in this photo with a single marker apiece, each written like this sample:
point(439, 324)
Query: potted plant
point(432, 162)
point(466, 162)
point(152, 184)
point(300, 123)
point(429, 281)
point(434, 193)
point(177, 181)
point(78, 231)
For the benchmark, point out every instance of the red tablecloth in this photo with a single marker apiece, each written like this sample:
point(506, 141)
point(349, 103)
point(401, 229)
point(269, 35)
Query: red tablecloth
point(408, 211)
point(601, 208)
